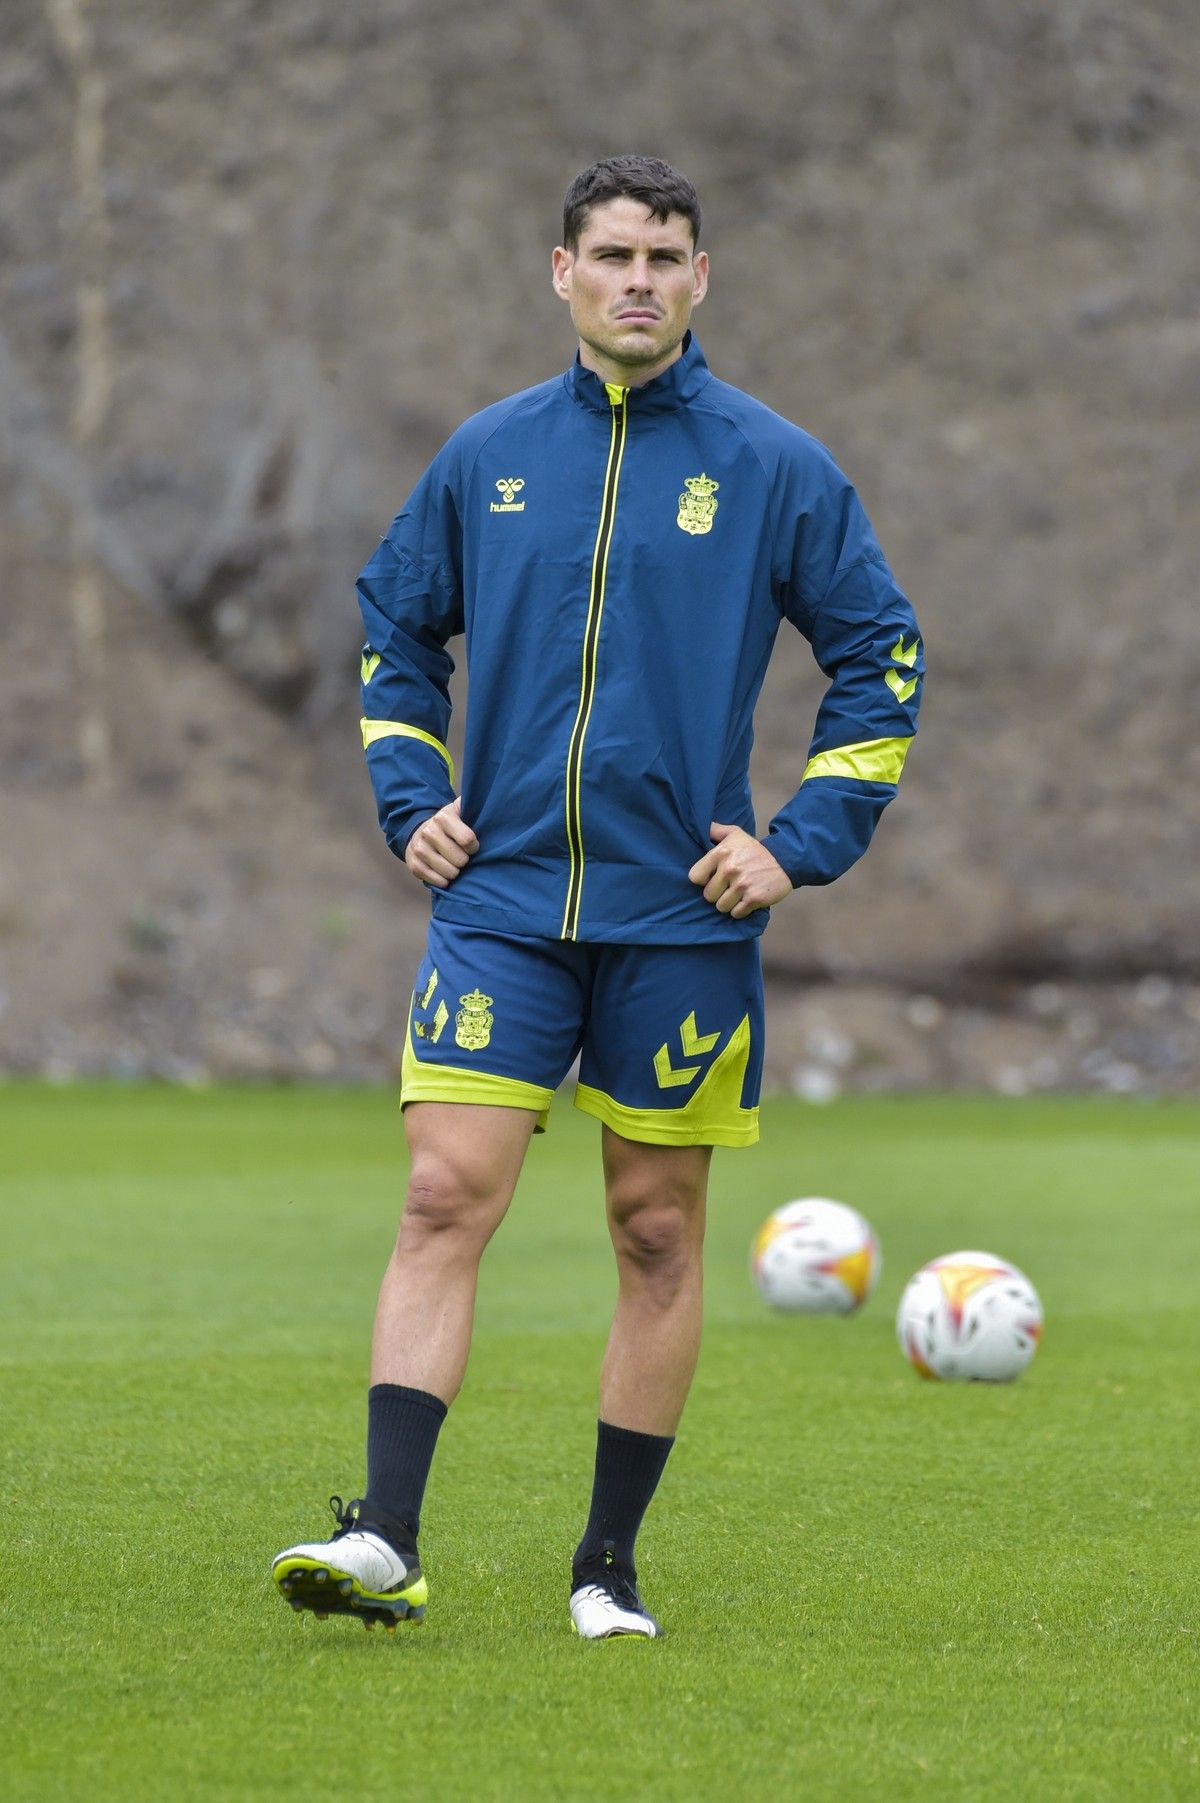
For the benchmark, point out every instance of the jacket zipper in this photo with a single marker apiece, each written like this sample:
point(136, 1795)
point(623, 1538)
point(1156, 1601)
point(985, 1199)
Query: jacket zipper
point(618, 398)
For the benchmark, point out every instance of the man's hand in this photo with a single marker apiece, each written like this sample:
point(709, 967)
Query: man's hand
point(739, 874)
point(442, 846)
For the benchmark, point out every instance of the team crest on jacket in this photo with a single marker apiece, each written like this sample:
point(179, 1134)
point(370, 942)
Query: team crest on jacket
point(696, 504)
point(473, 1022)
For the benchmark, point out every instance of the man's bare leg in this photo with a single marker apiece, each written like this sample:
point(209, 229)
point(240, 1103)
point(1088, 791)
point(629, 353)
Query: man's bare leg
point(466, 1159)
point(656, 1214)
point(465, 1163)
point(656, 1201)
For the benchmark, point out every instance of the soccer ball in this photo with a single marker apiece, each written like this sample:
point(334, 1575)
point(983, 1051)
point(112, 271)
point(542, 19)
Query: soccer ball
point(815, 1257)
point(969, 1316)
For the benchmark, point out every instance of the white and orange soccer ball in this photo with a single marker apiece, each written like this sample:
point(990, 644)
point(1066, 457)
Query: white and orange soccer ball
point(969, 1316)
point(815, 1257)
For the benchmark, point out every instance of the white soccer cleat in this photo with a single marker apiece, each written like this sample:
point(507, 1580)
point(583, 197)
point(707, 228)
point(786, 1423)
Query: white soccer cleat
point(357, 1573)
point(600, 1611)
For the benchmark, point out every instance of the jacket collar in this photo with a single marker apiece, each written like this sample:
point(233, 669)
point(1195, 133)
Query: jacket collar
point(676, 386)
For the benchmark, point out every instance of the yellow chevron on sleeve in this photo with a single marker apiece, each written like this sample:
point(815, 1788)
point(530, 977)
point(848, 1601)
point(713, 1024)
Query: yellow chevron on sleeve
point(900, 689)
point(872, 761)
point(368, 666)
point(372, 730)
point(905, 654)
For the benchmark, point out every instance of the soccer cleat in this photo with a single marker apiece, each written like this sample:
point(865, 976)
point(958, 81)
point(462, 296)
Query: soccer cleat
point(605, 1603)
point(358, 1572)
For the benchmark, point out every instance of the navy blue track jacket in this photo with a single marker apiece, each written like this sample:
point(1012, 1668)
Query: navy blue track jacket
point(620, 560)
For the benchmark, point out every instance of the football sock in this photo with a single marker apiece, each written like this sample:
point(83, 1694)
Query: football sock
point(402, 1431)
point(628, 1467)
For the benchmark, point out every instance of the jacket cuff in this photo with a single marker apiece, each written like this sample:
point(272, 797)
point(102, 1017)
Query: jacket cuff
point(793, 866)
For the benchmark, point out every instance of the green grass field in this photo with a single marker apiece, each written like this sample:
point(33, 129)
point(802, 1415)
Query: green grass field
point(871, 1586)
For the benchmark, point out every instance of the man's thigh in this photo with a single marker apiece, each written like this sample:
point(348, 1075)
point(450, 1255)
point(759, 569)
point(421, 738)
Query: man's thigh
point(672, 1053)
point(495, 1019)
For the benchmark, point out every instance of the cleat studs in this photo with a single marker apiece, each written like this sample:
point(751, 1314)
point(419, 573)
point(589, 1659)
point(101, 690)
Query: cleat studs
point(286, 1587)
point(345, 1585)
point(368, 1624)
point(320, 1575)
point(321, 1614)
point(297, 1606)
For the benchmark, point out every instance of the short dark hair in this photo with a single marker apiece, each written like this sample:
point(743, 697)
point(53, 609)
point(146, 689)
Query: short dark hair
point(659, 187)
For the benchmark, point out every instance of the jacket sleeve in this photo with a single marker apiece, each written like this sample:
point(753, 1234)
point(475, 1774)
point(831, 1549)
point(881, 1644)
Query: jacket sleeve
point(836, 587)
point(410, 595)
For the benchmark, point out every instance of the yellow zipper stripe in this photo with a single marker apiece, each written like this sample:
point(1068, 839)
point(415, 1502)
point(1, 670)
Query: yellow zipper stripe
point(582, 703)
point(595, 666)
point(591, 653)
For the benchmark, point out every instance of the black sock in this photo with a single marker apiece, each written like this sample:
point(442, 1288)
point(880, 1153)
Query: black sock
point(628, 1467)
point(402, 1431)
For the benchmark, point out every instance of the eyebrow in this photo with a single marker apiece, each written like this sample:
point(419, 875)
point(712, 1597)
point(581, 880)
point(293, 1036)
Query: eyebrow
point(656, 250)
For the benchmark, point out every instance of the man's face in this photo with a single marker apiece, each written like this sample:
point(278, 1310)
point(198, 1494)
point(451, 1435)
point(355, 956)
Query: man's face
point(631, 284)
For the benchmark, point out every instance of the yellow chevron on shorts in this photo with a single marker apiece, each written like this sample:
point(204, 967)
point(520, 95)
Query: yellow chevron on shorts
point(712, 1115)
point(669, 1078)
point(695, 1044)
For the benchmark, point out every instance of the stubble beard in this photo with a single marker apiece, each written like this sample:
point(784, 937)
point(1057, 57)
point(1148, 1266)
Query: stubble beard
point(631, 348)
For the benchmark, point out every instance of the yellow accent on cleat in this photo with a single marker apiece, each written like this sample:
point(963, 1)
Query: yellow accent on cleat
point(341, 1593)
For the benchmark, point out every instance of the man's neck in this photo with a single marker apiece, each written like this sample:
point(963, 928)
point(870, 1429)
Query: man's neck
point(625, 375)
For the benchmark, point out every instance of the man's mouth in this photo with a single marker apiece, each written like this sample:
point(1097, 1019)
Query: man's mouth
point(638, 316)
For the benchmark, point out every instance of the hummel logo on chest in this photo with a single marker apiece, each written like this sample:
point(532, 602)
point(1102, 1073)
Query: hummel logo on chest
point(510, 487)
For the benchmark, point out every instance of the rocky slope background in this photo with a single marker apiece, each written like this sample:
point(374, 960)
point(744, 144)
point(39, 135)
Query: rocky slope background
point(258, 260)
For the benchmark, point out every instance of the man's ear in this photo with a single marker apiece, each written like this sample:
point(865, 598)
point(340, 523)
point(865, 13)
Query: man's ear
point(561, 261)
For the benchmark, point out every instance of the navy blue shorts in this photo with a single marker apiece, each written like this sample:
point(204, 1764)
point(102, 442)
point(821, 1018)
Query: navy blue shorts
point(669, 1036)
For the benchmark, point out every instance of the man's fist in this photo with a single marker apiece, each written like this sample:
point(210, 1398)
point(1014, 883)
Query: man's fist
point(739, 875)
point(441, 846)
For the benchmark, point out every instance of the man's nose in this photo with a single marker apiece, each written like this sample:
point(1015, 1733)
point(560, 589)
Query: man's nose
point(638, 274)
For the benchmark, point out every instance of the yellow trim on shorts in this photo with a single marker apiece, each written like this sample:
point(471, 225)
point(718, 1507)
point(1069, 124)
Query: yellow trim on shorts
point(422, 1082)
point(713, 1116)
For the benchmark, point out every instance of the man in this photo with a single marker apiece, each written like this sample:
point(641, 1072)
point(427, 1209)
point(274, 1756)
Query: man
point(619, 546)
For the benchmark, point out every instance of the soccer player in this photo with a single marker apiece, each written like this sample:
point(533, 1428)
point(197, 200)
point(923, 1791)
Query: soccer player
point(619, 547)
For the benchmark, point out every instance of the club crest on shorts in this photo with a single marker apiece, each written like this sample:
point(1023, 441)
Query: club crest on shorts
point(473, 1022)
point(696, 504)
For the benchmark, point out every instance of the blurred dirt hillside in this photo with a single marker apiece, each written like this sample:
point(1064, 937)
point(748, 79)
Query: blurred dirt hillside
point(258, 260)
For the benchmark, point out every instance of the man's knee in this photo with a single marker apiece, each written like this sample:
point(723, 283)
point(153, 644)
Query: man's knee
point(450, 1195)
point(657, 1221)
point(658, 1232)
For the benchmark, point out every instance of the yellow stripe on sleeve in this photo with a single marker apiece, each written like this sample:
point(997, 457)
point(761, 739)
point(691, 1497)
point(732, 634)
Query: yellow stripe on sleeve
point(373, 730)
point(873, 761)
